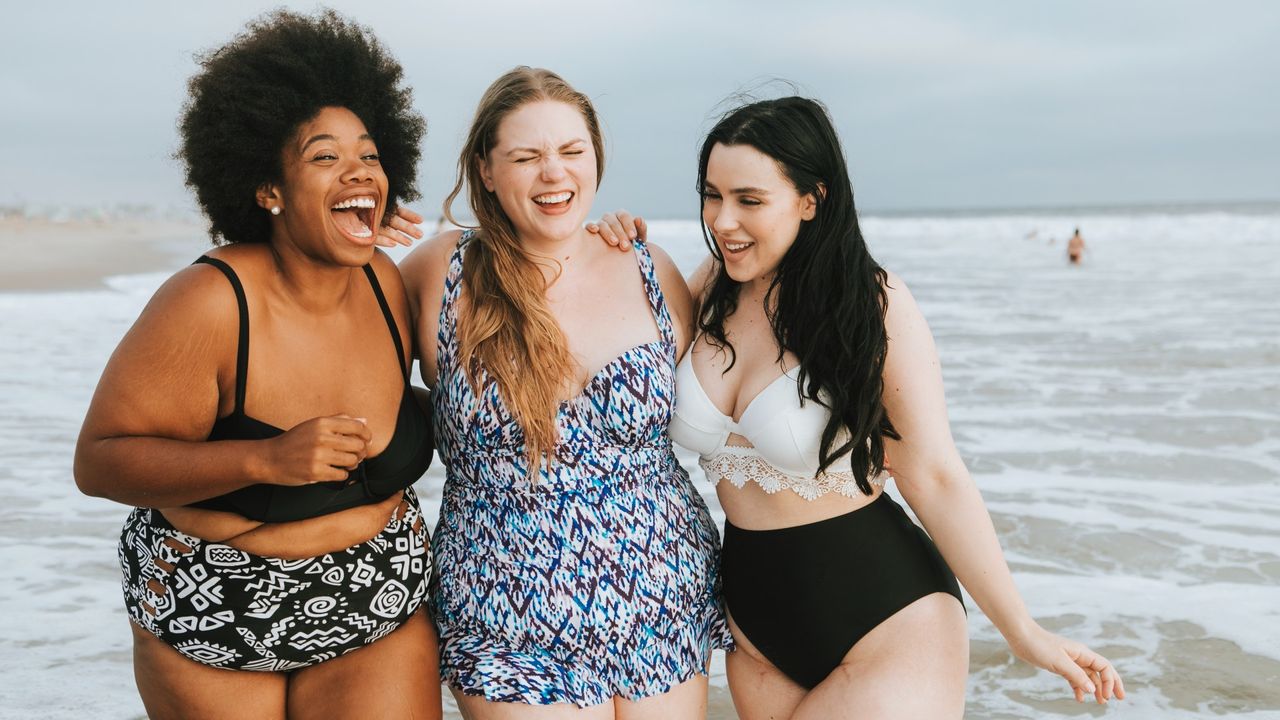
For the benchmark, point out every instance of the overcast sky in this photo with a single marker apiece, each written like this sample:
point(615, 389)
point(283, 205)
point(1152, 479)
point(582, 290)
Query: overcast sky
point(939, 104)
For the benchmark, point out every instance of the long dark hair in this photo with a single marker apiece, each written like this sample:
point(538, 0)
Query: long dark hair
point(826, 302)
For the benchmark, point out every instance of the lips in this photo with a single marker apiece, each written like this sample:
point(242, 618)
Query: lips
point(354, 216)
point(554, 203)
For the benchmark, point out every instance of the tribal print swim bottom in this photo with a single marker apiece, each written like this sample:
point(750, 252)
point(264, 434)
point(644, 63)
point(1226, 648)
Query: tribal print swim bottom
point(231, 609)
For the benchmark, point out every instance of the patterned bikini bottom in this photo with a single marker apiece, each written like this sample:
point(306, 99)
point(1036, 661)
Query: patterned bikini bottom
point(231, 609)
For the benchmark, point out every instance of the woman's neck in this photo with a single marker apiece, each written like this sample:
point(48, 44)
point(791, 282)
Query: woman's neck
point(312, 285)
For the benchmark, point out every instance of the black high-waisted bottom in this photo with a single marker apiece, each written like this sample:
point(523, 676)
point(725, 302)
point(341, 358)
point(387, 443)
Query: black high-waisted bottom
point(804, 595)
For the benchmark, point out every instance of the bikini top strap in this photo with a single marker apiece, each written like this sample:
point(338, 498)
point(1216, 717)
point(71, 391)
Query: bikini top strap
point(652, 289)
point(242, 347)
point(386, 314)
point(447, 335)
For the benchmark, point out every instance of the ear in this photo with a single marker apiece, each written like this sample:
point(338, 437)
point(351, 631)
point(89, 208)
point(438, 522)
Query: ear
point(268, 196)
point(808, 207)
point(809, 203)
point(486, 177)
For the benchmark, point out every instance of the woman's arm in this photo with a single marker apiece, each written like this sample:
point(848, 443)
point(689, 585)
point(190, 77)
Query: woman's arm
point(934, 481)
point(143, 439)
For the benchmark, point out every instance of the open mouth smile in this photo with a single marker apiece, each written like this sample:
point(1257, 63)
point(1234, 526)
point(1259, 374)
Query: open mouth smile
point(553, 203)
point(354, 216)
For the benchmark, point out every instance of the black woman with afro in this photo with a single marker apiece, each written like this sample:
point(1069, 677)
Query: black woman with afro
point(258, 415)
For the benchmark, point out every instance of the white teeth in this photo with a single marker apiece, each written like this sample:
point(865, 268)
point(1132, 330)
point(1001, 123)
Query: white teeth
point(553, 199)
point(364, 201)
point(734, 247)
point(363, 233)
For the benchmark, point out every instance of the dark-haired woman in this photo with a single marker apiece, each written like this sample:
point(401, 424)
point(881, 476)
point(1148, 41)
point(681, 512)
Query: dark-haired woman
point(258, 413)
point(813, 366)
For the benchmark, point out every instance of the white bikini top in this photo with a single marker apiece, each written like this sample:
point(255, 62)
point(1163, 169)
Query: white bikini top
point(785, 438)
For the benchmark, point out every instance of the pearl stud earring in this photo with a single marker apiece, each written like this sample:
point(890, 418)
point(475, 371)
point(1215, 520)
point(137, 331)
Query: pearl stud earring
point(275, 210)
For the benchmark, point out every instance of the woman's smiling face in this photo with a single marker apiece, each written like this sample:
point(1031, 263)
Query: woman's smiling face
point(543, 169)
point(334, 190)
point(752, 210)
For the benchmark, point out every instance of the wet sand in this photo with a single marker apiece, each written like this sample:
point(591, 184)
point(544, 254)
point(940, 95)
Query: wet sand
point(41, 255)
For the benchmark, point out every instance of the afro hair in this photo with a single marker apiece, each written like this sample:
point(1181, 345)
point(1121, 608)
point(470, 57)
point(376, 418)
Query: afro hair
point(254, 93)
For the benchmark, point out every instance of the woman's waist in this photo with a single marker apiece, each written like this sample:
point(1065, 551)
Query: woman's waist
point(755, 494)
point(295, 539)
point(574, 468)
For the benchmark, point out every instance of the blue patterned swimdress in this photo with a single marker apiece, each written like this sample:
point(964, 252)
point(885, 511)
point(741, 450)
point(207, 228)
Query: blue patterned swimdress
point(599, 580)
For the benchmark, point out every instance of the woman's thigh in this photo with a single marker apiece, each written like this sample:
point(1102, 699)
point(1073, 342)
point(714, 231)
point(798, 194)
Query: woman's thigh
point(912, 665)
point(686, 700)
point(175, 686)
point(397, 676)
point(760, 690)
point(474, 707)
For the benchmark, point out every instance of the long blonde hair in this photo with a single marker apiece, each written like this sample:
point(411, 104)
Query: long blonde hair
point(506, 327)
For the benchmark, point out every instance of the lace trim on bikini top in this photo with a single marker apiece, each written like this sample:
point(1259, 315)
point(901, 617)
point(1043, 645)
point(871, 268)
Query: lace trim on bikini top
point(741, 465)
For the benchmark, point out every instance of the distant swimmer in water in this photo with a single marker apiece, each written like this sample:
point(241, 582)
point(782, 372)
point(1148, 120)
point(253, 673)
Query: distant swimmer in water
point(1075, 248)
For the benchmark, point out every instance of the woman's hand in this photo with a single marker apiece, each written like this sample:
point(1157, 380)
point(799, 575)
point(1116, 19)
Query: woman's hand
point(1088, 672)
point(323, 449)
point(620, 229)
point(401, 229)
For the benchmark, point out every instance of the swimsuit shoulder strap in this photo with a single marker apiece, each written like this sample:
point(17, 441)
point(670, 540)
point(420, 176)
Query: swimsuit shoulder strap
point(386, 314)
point(447, 336)
point(242, 346)
point(652, 289)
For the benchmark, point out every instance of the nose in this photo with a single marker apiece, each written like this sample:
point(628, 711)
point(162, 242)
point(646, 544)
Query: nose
point(552, 168)
point(722, 218)
point(357, 171)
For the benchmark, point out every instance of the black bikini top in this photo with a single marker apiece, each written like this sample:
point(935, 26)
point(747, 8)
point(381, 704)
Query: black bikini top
point(397, 467)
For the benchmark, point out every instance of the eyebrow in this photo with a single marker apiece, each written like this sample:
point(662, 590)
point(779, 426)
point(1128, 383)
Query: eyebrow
point(535, 151)
point(318, 138)
point(743, 190)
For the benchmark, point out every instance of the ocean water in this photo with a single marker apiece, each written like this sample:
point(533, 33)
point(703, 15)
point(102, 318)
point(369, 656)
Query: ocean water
point(1122, 419)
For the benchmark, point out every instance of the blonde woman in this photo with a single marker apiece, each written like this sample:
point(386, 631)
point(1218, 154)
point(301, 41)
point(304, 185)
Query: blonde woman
point(576, 564)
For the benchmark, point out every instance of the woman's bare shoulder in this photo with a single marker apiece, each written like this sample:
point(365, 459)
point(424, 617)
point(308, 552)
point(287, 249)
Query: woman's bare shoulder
point(669, 277)
point(431, 253)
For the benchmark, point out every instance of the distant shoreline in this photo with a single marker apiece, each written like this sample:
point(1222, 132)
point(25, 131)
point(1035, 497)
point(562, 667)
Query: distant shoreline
point(1235, 207)
point(41, 255)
